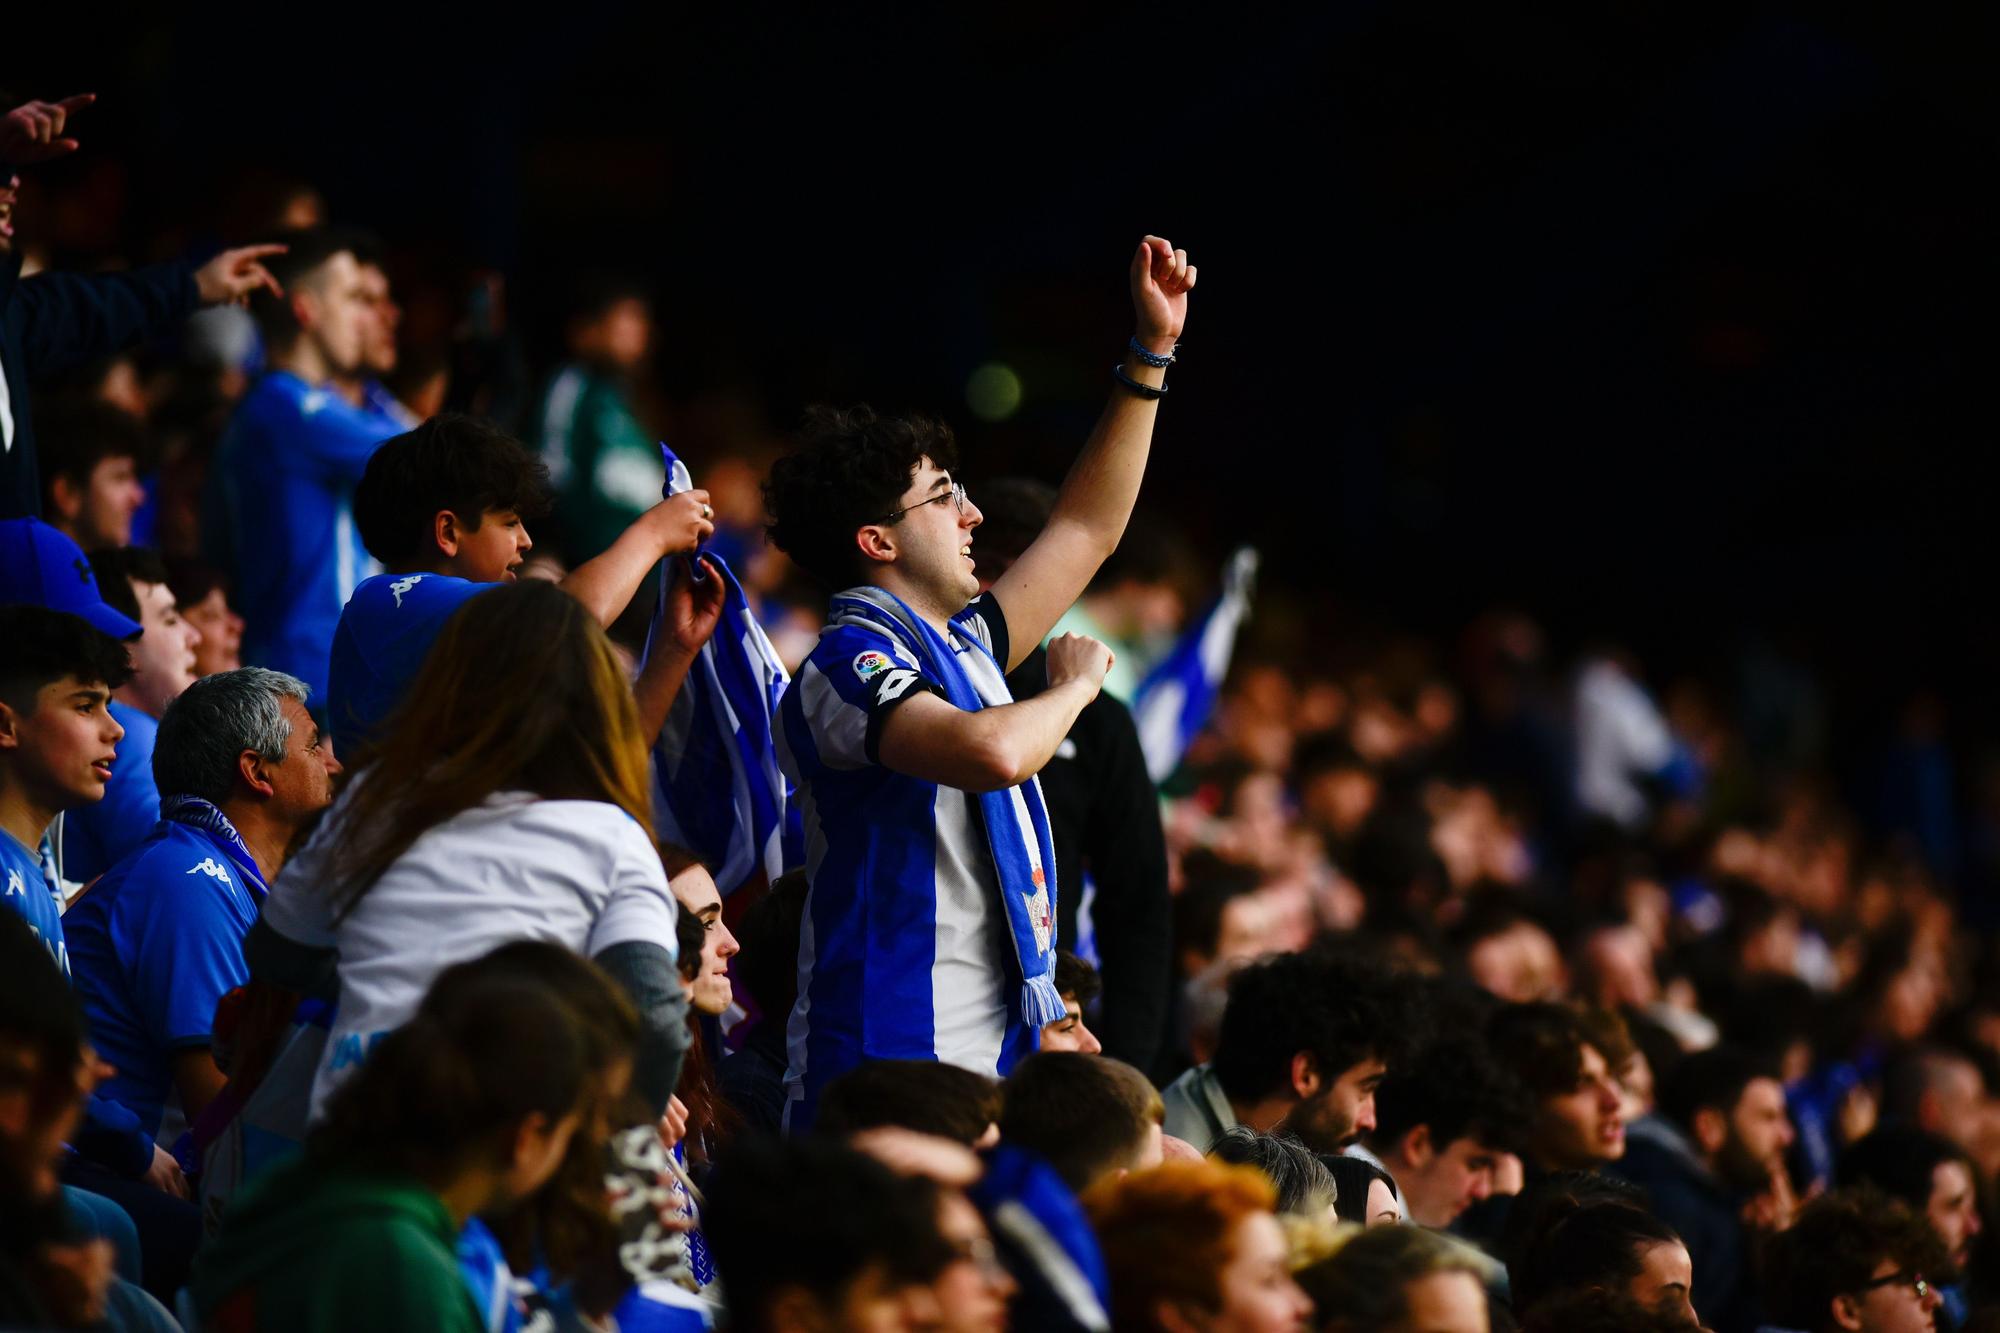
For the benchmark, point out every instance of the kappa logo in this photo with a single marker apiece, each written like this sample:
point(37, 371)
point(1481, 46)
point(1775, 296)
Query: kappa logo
point(16, 886)
point(211, 869)
point(403, 585)
point(870, 664)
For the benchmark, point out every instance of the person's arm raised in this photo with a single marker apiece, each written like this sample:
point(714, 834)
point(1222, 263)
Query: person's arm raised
point(676, 526)
point(693, 608)
point(1097, 497)
point(994, 748)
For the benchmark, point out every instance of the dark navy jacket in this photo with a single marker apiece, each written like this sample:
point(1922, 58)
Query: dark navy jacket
point(55, 322)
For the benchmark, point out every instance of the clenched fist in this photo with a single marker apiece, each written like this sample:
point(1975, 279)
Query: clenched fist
point(1074, 656)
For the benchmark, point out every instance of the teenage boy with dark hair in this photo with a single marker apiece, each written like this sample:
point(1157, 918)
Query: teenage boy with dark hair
point(444, 508)
point(133, 581)
point(279, 511)
point(1306, 1040)
point(809, 1234)
point(90, 469)
point(901, 734)
point(1717, 1146)
point(1443, 1121)
point(1078, 985)
point(1576, 1124)
point(1855, 1261)
point(1088, 1117)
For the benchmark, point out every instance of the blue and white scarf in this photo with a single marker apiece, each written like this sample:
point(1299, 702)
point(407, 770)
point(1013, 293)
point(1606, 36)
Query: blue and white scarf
point(1015, 819)
point(720, 728)
point(204, 815)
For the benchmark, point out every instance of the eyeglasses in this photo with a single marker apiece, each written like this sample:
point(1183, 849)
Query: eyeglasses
point(956, 495)
point(976, 1250)
point(1916, 1280)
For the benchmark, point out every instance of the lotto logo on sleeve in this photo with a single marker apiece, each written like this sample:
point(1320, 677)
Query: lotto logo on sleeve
point(870, 664)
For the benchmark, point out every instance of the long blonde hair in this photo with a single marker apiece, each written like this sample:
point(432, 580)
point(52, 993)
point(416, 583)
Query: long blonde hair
point(521, 692)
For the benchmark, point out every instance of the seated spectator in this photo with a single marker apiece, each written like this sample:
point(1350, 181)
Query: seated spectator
point(1854, 1262)
point(158, 941)
point(1595, 1310)
point(1443, 1121)
point(444, 508)
point(536, 829)
point(203, 602)
point(1716, 1149)
point(90, 470)
point(1578, 1243)
point(1399, 1280)
point(924, 1095)
point(1576, 1124)
point(1934, 1178)
point(752, 1077)
point(1305, 1041)
point(1305, 1186)
point(811, 1235)
point(468, 1108)
point(1078, 984)
point(1194, 1245)
point(134, 583)
point(1368, 1194)
point(1087, 1116)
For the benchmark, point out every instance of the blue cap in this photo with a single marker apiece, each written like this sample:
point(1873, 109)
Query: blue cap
point(42, 567)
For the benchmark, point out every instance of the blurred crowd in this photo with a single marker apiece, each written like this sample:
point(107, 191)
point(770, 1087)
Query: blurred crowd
point(1438, 984)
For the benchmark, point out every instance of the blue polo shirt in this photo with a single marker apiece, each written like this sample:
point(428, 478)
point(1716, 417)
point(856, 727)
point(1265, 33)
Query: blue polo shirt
point(155, 944)
point(94, 837)
point(385, 633)
point(25, 877)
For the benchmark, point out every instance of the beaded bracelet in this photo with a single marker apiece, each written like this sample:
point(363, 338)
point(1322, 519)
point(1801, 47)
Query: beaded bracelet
point(1143, 390)
point(1153, 359)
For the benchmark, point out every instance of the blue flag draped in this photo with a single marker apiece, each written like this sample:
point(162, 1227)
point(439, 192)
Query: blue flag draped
point(717, 789)
point(1175, 699)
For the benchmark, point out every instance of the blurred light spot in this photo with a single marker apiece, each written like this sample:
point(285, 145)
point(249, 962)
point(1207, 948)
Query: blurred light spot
point(994, 392)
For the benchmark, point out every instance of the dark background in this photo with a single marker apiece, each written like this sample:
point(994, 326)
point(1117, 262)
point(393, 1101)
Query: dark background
point(1668, 322)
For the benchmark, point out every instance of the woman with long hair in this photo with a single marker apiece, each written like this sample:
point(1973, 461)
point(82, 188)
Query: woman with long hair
point(507, 798)
point(470, 1107)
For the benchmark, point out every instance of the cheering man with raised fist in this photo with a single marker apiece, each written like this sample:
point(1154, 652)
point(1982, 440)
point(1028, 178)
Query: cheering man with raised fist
point(929, 929)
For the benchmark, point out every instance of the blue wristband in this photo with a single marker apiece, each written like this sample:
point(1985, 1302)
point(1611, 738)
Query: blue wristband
point(1153, 359)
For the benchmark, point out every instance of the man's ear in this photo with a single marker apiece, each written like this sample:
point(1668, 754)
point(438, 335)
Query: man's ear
point(255, 771)
point(1416, 1147)
point(1306, 1082)
point(10, 727)
point(304, 304)
point(65, 497)
point(1847, 1312)
point(446, 532)
point(1173, 1317)
point(1710, 1130)
point(876, 542)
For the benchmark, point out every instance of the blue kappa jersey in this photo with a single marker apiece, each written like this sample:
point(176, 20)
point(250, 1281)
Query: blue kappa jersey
point(155, 944)
point(384, 634)
point(283, 491)
point(28, 888)
point(94, 837)
point(904, 949)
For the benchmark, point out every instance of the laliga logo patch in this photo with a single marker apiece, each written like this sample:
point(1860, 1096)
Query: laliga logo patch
point(870, 664)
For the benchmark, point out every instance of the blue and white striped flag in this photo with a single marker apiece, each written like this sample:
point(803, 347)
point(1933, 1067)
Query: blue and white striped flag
point(717, 789)
point(1175, 699)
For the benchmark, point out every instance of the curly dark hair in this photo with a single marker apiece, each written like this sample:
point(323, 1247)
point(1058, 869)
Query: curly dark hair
point(1542, 1043)
point(1834, 1248)
point(1338, 1006)
point(851, 467)
point(455, 462)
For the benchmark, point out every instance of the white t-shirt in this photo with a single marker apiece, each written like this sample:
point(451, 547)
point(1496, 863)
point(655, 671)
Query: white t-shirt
point(583, 874)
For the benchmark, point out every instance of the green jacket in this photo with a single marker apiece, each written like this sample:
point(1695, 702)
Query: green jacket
point(313, 1248)
point(605, 468)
